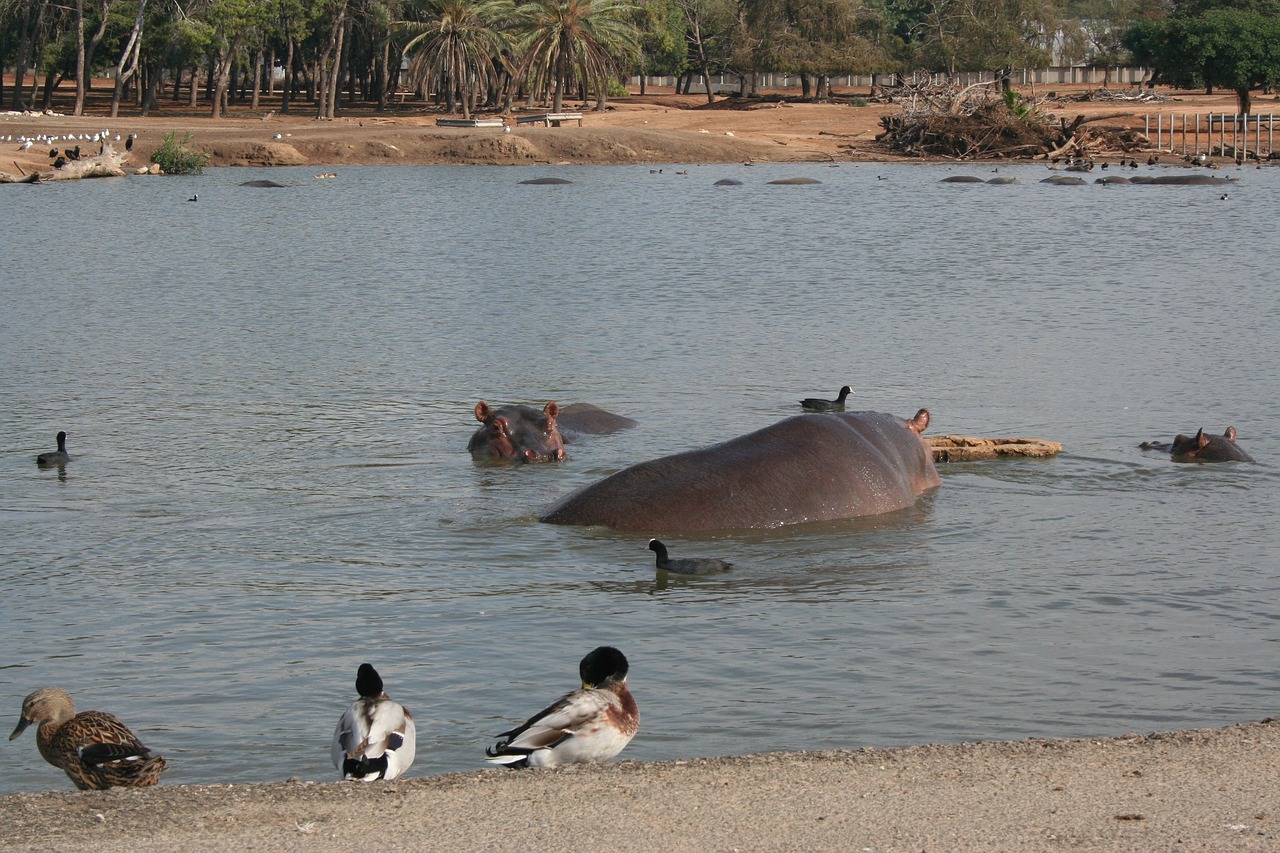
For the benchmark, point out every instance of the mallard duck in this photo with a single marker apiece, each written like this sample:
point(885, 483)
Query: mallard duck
point(815, 404)
point(375, 738)
point(589, 725)
point(55, 457)
point(688, 565)
point(94, 748)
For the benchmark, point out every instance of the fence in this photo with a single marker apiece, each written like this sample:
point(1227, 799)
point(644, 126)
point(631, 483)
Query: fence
point(727, 83)
point(1240, 128)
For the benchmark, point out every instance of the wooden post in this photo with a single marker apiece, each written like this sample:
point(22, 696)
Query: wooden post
point(1197, 134)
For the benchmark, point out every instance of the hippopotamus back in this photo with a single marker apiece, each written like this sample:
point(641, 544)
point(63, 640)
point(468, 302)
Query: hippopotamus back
point(805, 468)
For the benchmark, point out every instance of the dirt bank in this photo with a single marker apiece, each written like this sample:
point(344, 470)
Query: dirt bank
point(658, 128)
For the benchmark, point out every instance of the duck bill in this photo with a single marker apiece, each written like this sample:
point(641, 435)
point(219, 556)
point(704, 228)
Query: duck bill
point(20, 728)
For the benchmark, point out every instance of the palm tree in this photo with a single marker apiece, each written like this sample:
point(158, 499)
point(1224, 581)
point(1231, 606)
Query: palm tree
point(457, 48)
point(573, 41)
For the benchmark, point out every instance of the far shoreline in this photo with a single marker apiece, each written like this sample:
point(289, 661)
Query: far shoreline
point(658, 129)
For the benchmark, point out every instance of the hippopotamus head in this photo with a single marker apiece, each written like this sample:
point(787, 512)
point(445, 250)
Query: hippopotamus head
point(1208, 448)
point(517, 434)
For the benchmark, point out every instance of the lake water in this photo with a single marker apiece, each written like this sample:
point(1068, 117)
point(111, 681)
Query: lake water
point(268, 395)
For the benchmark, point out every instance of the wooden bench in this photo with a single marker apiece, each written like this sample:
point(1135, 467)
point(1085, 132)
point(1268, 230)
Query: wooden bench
point(469, 122)
point(550, 119)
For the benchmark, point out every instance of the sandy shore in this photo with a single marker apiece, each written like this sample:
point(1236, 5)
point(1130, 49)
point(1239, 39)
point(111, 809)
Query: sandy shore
point(655, 129)
point(1202, 790)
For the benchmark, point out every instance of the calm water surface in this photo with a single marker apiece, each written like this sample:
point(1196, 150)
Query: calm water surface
point(269, 392)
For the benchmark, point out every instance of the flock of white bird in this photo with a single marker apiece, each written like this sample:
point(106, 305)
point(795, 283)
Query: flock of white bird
point(25, 142)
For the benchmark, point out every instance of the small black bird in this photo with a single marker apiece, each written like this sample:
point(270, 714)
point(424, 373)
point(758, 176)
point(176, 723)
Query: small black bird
point(688, 565)
point(194, 198)
point(74, 153)
point(53, 152)
point(128, 143)
point(55, 457)
point(60, 162)
point(815, 404)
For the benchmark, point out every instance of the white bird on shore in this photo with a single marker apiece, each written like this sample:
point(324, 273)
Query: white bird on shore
point(24, 146)
point(375, 738)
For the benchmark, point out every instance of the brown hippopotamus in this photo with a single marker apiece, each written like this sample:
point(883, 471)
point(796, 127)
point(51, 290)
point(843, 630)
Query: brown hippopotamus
point(524, 434)
point(804, 468)
point(1203, 448)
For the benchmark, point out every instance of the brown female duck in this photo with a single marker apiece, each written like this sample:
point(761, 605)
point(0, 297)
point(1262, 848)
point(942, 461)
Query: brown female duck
point(94, 748)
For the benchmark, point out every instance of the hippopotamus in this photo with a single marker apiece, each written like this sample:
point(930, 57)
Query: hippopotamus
point(524, 434)
point(1203, 448)
point(1184, 180)
point(805, 468)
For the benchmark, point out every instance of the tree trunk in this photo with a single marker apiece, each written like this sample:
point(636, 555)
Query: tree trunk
point(257, 77)
point(223, 66)
point(806, 88)
point(330, 66)
point(287, 93)
point(22, 57)
point(1244, 101)
point(704, 62)
point(132, 50)
point(78, 109)
point(93, 45)
point(152, 85)
point(49, 85)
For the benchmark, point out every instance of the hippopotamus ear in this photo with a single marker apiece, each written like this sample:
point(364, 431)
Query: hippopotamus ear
point(483, 412)
point(1230, 434)
point(551, 410)
point(919, 423)
point(1202, 440)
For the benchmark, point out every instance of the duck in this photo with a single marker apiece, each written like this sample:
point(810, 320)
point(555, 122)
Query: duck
point(688, 565)
point(375, 737)
point(55, 457)
point(814, 404)
point(93, 748)
point(586, 726)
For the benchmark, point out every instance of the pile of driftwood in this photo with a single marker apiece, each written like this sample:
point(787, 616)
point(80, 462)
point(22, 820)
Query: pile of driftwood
point(1146, 96)
point(973, 123)
point(107, 164)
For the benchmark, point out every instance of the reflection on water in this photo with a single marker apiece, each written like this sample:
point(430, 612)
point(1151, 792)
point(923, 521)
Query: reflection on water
point(268, 397)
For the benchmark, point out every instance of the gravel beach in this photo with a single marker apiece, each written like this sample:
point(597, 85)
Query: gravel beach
point(1208, 790)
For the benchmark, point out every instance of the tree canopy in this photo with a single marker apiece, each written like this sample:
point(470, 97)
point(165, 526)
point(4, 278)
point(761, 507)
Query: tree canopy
point(477, 53)
point(1202, 46)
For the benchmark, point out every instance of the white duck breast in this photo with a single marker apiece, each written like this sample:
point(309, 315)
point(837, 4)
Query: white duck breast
point(580, 728)
point(589, 725)
point(375, 737)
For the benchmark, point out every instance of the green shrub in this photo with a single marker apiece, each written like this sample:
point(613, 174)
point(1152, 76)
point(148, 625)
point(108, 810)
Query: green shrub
point(617, 89)
point(859, 102)
point(177, 159)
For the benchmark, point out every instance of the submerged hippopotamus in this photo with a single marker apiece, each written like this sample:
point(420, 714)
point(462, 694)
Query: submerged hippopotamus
point(1203, 448)
point(805, 468)
point(524, 434)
